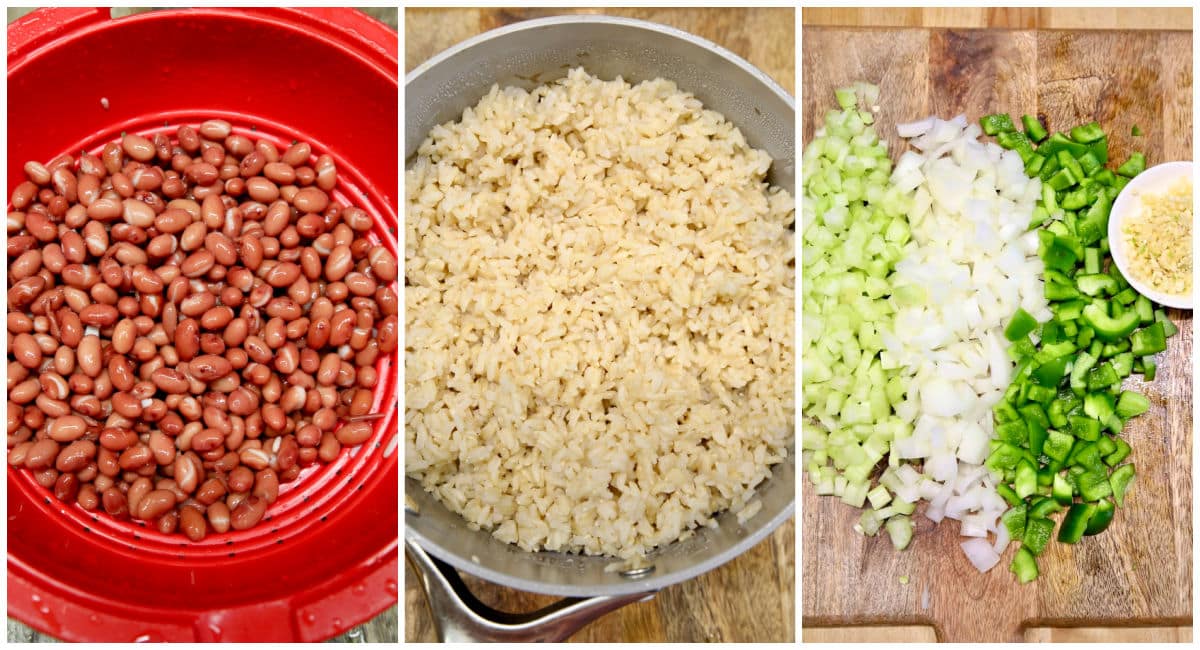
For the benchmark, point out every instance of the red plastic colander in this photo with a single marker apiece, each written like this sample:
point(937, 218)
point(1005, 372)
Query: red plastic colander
point(325, 557)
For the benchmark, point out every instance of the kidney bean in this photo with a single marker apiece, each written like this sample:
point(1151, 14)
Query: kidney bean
point(169, 380)
point(209, 367)
point(75, 456)
point(115, 504)
point(187, 473)
point(191, 522)
point(210, 491)
point(218, 517)
point(216, 129)
point(326, 172)
point(383, 265)
point(138, 147)
point(66, 487)
point(388, 334)
point(137, 491)
point(167, 523)
point(262, 189)
point(155, 504)
point(311, 200)
point(41, 454)
point(87, 497)
point(67, 428)
point(248, 513)
point(162, 447)
point(116, 438)
point(266, 485)
point(99, 315)
point(254, 458)
point(135, 457)
point(354, 433)
point(27, 351)
point(329, 449)
point(208, 440)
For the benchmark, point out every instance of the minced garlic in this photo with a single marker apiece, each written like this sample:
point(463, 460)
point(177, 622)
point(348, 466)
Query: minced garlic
point(1158, 240)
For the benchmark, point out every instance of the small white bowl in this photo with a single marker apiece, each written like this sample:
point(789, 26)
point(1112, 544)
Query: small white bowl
point(1156, 180)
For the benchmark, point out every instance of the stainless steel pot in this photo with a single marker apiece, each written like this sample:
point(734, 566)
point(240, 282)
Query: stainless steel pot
point(530, 54)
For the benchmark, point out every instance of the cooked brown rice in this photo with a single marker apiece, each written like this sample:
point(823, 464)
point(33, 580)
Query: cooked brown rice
point(599, 314)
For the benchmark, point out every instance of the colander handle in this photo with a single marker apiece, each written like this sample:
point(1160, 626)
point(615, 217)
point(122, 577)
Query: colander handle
point(460, 617)
point(33, 30)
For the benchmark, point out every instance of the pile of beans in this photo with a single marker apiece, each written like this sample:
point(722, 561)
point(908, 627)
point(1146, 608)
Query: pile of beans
point(191, 320)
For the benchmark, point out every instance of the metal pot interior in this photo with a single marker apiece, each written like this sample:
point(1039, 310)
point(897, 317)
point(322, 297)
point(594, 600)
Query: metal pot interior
point(530, 54)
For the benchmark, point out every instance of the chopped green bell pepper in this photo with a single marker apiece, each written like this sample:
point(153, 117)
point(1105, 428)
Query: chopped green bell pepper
point(1084, 428)
point(1087, 133)
point(1121, 453)
point(1058, 445)
point(1020, 326)
point(1120, 479)
point(1075, 523)
point(1033, 128)
point(1101, 518)
point(1094, 284)
point(1094, 485)
point(1148, 340)
point(1107, 327)
point(1062, 492)
point(1037, 532)
point(1026, 481)
point(1134, 166)
point(1131, 403)
point(997, 124)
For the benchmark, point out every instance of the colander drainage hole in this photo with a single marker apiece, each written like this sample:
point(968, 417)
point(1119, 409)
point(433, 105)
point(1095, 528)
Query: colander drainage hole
point(231, 554)
point(322, 517)
point(229, 542)
point(47, 500)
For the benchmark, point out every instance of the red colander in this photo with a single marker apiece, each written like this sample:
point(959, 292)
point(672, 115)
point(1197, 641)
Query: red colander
point(325, 558)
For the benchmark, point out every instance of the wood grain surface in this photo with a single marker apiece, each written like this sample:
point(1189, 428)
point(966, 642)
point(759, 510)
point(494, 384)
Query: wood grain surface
point(1139, 572)
point(753, 597)
point(1123, 18)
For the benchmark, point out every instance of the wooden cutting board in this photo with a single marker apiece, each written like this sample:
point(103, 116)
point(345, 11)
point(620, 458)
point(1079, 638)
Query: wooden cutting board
point(1139, 572)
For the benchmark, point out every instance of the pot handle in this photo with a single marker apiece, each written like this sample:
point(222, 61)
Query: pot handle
point(461, 617)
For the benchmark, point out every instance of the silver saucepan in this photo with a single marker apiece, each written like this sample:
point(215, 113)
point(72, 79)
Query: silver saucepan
point(530, 54)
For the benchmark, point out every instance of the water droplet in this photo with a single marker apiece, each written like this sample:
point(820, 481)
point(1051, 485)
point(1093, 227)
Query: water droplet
point(391, 587)
point(45, 610)
point(36, 599)
point(310, 618)
point(337, 622)
point(360, 589)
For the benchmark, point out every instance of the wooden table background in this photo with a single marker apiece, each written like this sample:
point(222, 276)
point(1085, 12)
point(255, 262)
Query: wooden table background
point(1139, 572)
point(384, 628)
point(753, 597)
